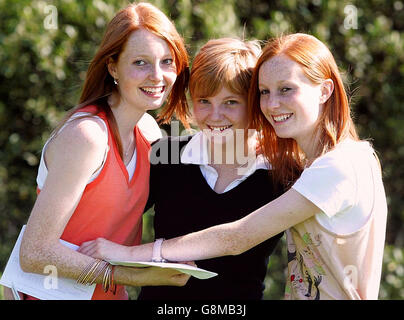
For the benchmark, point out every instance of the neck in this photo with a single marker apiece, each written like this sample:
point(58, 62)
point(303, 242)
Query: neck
point(126, 117)
point(309, 146)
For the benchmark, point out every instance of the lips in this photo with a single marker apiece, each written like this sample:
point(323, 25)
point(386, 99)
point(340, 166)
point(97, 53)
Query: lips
point(219, 128)
point(281, 117)
point(153, 91)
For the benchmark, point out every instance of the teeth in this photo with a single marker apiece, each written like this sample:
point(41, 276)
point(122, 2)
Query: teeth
point(219, 128)
point(153, 89)
point(282, 117)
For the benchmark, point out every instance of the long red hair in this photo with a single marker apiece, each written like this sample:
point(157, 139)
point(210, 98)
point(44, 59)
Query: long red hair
point(335, 122)
point(99, 84)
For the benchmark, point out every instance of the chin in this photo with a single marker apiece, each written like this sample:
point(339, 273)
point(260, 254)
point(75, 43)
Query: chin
point(155, 106)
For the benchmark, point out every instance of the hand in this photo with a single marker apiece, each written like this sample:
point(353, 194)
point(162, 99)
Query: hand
point(190, 263)
point(101, 248)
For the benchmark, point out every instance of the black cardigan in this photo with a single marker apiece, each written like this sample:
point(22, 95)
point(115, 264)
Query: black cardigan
point(184, 203)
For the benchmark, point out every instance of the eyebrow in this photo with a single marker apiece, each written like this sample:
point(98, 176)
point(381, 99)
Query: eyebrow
point(144, 55)
point(285, 80)
point(231, 97)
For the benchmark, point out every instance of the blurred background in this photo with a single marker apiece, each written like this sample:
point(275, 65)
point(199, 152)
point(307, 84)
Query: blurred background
point(46, 46)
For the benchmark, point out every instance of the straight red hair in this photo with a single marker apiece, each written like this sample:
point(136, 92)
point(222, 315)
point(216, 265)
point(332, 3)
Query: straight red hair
point(98, 84)
point(335, 122)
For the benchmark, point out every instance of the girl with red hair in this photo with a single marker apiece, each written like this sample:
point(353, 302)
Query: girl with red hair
point(334, 211)
point(93, 179)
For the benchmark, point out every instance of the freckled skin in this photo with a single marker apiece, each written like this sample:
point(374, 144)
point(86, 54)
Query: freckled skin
point(76, 153)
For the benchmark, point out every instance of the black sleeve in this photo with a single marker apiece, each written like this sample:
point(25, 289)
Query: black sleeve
point(152, 189)
point(164, 153)
point(153, 183)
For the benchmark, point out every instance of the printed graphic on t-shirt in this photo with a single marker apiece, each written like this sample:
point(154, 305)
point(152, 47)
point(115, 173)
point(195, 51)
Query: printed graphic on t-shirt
point(304, 265)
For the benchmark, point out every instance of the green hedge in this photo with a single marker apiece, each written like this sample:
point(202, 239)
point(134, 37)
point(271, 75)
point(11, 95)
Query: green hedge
point(41, 71)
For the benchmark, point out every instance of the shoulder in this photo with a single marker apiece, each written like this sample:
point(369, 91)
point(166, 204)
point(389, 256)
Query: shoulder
point(348, 156)
point(183, 140)
point(81, 137)
point(89, 131)
point(168, 150)
point(149, 128)
point(170, 142)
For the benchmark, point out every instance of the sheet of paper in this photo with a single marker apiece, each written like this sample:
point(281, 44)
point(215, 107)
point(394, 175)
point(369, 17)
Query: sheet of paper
point(184, 268)
point(46, 286)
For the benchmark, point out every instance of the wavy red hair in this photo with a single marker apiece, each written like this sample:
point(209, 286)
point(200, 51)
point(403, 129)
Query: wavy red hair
point(335, 122)
point(98, 84)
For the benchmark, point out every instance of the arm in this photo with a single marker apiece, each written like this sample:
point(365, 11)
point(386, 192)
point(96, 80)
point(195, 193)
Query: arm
point(239, 236)
point(232, 238)
point(71, 158)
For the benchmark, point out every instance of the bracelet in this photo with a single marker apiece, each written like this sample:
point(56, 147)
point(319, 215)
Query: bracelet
point(157, 251)
point(93, 270)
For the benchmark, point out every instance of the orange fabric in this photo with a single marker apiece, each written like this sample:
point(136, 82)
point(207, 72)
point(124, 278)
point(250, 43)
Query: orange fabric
point(111, 207)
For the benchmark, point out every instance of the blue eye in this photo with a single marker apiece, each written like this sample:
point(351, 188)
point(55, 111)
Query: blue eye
point(168, 61)
point(203, 101)
point(264, 91)
point(285, 89)
point(231, 102)
point(139, 63)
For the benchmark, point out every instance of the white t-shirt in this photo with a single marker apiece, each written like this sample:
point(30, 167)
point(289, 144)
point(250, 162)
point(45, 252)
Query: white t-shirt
point(147, 125)
point(338, 253)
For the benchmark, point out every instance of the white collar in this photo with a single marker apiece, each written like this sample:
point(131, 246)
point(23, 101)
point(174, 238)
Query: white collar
point(196, 152)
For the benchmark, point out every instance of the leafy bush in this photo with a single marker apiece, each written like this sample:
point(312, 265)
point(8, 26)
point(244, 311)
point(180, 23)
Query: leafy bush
point(41, 71)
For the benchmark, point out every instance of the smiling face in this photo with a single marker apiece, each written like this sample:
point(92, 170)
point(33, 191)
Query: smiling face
point(145, 71)
point(289, 100)
point(221, 115)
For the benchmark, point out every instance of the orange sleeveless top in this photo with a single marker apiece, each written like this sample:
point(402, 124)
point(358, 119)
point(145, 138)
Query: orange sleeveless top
point(111, 206)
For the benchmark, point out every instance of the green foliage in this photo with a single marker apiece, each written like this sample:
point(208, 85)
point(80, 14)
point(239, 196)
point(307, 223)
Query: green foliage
point(276, 275)
point(41, 72)
point(1, 290)
point(392, 285)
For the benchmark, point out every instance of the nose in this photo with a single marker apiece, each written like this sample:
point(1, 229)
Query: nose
point(156, 74)
point(215, 113)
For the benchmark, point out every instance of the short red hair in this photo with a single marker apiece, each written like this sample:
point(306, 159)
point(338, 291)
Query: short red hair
point(335, 123)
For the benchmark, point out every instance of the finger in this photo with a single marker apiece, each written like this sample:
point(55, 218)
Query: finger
point(89, 250)
point(84, 248)
point(85, 245)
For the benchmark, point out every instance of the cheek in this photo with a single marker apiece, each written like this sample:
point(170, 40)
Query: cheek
point(170, 78)
point(241, 116)
point(200, 114)
point(131, 77)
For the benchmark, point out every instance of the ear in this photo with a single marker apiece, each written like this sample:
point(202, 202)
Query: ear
point(327, 88)
point(111, 65)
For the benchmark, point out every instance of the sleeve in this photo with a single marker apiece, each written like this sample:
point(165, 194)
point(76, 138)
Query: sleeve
point(152, 188)
point(154, 175)
point(329, 183)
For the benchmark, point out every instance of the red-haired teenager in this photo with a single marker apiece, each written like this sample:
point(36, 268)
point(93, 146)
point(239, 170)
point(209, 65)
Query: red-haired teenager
point(94, 175)
point(213, 180)
point(334, 212)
